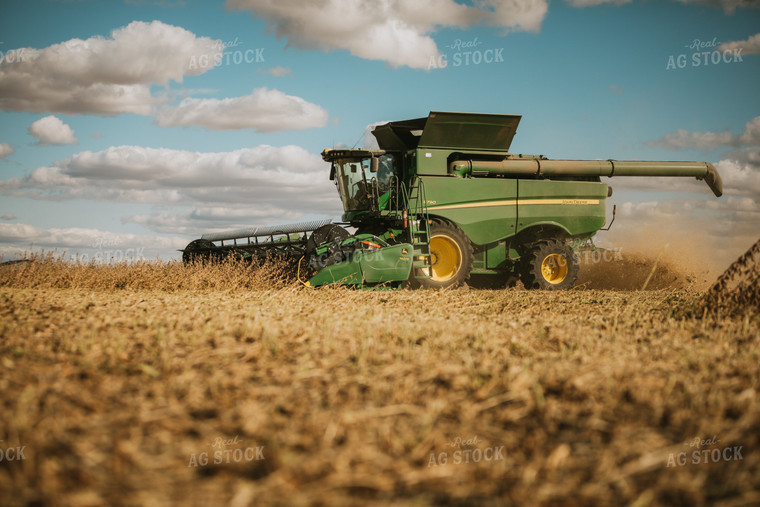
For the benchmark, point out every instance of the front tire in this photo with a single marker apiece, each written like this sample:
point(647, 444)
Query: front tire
point(549, 265)
point(450, 255)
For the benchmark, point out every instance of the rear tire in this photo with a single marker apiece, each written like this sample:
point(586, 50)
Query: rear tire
point(450, 254)
point(549, 265)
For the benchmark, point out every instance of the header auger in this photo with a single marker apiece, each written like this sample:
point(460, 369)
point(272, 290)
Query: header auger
point(442, 200)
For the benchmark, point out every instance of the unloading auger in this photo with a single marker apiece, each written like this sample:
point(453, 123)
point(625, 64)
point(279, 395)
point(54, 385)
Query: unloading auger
point(442, 200)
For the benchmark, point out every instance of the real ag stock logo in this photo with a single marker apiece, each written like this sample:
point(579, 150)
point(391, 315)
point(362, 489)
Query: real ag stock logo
point(466, 53)
point(14, 453)
point(701, 58)
point(223, 455)
point(225, 57)
point(12, 55)
point(700, 455)
point(466, 452)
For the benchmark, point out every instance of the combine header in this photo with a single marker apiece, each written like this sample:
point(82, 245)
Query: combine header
point(444, 199)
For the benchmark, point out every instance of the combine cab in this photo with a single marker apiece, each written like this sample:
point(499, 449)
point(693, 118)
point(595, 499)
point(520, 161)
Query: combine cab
point(442, 200)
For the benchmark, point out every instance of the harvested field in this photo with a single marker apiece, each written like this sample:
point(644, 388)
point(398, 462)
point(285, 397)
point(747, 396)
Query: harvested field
point(117, 381)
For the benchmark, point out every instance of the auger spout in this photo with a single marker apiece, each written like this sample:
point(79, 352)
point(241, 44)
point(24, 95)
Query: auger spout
point(538, 166)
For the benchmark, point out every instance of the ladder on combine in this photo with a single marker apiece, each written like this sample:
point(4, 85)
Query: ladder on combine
point(419, 229)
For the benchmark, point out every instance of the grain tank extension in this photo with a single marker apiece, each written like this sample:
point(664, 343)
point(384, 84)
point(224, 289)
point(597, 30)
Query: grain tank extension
point(443, 200)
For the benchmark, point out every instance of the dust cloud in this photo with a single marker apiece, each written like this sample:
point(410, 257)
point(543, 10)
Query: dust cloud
point(672, 255)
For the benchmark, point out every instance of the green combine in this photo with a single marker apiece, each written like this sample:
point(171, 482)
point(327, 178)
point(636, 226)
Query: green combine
point(443, 201)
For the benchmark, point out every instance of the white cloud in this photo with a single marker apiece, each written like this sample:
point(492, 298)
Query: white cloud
point(104, 76)
point(51, 130)
point(86, 244)
point(263, 110)
point(729, 6)
point(393, 31)
point(6, 150)
point(398, 32)
point(202, 219)
point(704, 140)
point(711, 140)
point(741, 177)
point(751, 46)
point(285, 182)
point(79, 237)
point(749, 155)
point(515, 15)
point(112, 76)
point(368, 140)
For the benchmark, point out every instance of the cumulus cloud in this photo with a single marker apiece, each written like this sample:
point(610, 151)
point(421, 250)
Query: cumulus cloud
point(113, 76)
point(86, 244)
point(741, 172)
point(711, 140)
point(751, 46)
point(203, 219)
point(6, 150)
point(393, 31)
point(728, 6)
point(80, 237)
point(284, 181)
point(51, 130)
point(399, 32)
point(682, 138)
point(513, 15)
point(104, 76)
point(263, 110)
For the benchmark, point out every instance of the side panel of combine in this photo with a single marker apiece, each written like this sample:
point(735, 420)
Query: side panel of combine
point(485, 209)
point(577, 207)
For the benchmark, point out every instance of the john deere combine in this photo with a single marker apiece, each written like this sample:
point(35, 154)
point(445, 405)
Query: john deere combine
point(442, 200)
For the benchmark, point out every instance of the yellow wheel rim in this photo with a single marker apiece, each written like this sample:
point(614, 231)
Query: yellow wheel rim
point(554, 268)
point(446, 258)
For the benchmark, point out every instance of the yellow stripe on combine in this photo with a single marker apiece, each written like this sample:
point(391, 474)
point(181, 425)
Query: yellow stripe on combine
point(521, 202)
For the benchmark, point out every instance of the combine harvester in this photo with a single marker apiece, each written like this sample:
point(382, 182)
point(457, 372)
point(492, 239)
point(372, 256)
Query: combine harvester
point(444, 199)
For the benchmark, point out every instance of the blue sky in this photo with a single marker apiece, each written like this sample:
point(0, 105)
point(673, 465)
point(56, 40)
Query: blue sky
point(113, 132)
